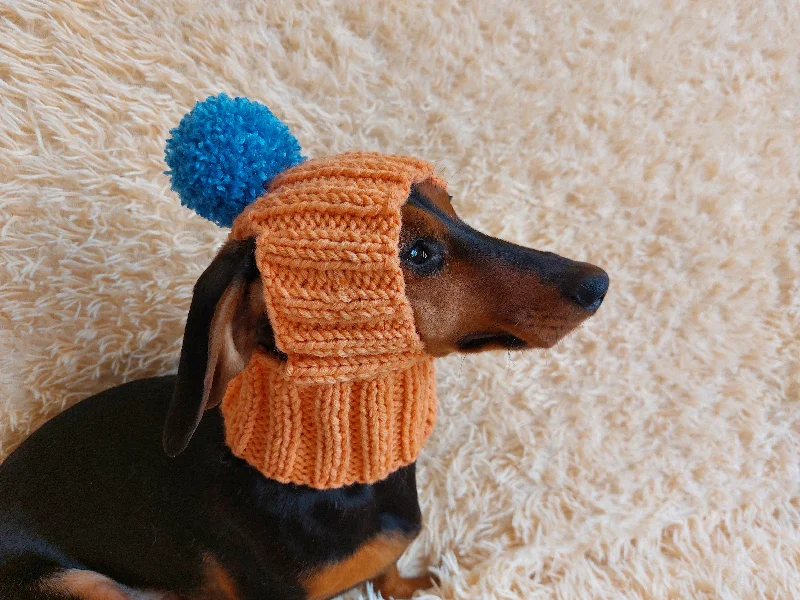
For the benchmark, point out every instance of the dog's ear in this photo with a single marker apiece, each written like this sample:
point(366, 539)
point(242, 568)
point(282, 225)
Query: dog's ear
point(221, 331)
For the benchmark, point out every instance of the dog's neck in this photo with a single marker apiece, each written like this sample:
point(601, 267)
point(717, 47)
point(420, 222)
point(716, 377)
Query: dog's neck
point(331, 434)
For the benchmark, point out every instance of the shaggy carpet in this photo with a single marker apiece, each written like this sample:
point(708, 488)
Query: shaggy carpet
point(655, 453)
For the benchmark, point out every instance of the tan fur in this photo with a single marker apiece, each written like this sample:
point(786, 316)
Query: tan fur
point(438, 302)
point(232, 337)
point(367, 562)
point(217, 582)
point(476, 293)
point(224, 360)
point(391, 585)
point(438, 195)
point(89, 585)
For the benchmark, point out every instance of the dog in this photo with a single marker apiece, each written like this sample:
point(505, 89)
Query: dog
point(93, 508)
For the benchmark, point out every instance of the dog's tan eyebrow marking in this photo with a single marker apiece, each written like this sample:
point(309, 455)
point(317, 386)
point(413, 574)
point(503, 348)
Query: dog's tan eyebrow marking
point(436, 195)
point(420, 220)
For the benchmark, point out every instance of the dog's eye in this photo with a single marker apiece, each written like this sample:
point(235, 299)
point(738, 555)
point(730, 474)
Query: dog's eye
point(418, 254)
point(424, 256)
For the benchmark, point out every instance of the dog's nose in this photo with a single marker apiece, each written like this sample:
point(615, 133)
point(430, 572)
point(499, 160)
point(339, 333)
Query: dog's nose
point(589, 289)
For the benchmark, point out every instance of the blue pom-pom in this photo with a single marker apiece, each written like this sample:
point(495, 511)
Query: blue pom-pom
point(223, 154)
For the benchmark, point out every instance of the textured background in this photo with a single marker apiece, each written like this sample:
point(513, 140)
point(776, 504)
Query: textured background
point(653, 454)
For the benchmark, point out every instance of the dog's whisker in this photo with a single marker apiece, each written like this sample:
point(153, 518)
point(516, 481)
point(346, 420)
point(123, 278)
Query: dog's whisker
point(510, 364)
point(453, 175)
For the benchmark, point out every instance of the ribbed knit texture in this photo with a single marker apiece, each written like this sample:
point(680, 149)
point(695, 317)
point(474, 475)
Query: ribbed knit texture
point(329, 435)
point(355, 399)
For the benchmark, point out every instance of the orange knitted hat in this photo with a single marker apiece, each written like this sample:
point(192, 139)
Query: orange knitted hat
point(354, 399)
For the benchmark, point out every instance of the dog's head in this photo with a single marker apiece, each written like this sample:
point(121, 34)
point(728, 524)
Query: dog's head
point(472, 292)
point(469, 292)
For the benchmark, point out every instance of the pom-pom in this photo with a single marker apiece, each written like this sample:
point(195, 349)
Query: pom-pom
point(224, 153)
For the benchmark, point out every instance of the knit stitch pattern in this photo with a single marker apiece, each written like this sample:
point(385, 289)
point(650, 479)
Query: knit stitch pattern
point(355, 398)
point(329, 435)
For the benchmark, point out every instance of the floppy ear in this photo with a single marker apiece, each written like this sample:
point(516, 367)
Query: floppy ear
point(221, 331)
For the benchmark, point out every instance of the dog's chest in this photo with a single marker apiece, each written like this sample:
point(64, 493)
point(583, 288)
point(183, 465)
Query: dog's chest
point(327, 540)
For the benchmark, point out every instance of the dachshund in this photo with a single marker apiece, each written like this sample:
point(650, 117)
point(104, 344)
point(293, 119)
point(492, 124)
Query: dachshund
point(93, 508)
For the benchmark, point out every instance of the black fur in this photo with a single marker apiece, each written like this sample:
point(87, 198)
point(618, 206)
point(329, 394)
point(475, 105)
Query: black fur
point(109, 498)
point(94, 488)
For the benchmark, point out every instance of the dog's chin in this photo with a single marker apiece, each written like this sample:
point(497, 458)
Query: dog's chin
point(502, 340)
point(482, 341)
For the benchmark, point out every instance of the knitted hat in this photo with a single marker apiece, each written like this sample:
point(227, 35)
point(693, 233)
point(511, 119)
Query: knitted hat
point(354, 399)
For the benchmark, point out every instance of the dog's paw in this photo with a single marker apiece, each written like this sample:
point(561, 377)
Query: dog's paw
point(391, 585)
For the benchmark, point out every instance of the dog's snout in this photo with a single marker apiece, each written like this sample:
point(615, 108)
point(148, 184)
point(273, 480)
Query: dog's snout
point(589, 289)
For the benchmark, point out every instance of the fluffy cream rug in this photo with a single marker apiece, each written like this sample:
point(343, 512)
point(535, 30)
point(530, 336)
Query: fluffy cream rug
point(653, 454)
